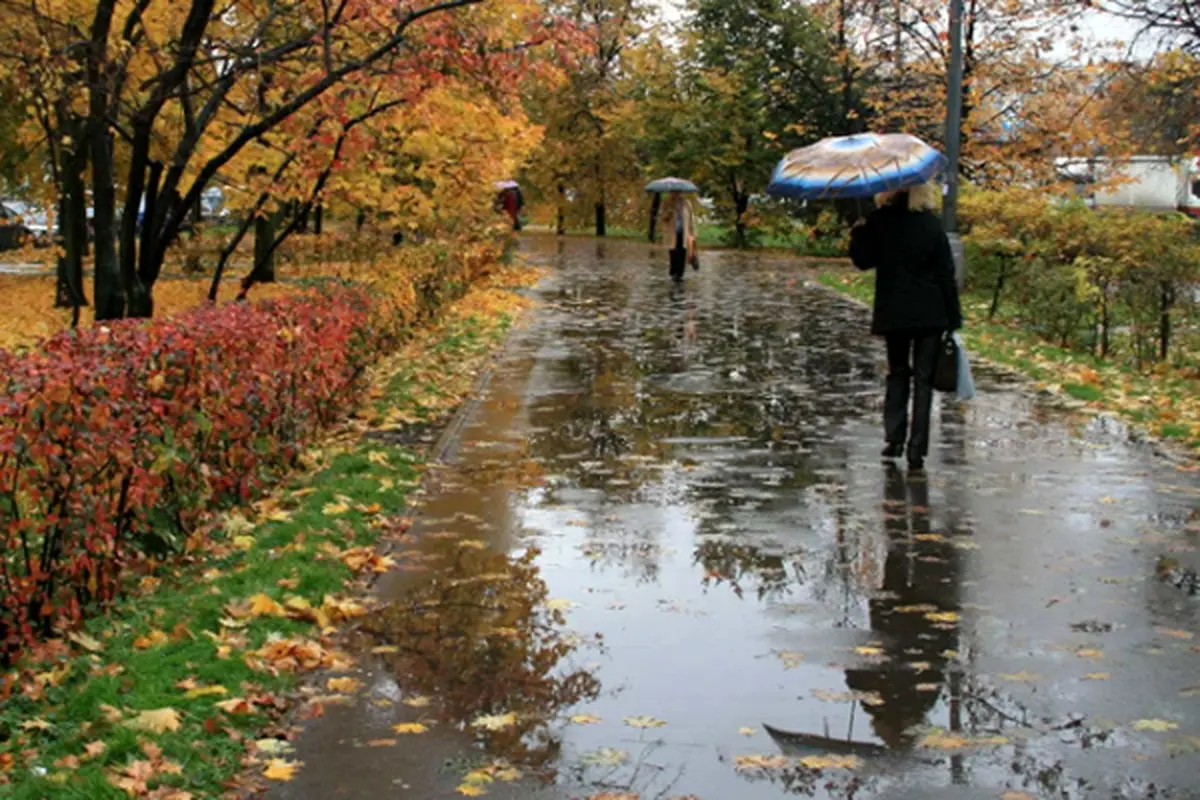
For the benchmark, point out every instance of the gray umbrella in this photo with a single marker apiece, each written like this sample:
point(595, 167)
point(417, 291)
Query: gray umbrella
point(671, 185)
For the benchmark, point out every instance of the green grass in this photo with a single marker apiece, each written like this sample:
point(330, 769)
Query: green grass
point(1149, 399)
point(191, 603)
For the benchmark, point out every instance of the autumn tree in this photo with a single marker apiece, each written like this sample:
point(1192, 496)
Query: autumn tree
point(587, 160)
point(175, 95)
point(751, 81)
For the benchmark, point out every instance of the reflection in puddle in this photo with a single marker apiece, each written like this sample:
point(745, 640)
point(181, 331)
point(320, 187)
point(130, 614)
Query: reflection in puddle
point(484, 643)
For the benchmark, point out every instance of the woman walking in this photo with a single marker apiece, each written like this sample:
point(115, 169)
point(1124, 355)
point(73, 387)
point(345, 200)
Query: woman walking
point(916, 303)
point(683, 229)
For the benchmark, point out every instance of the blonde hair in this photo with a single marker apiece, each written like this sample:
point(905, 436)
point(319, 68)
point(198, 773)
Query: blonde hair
point(922, 197)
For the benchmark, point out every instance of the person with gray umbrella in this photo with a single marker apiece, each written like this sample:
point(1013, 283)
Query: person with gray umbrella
point(682, 221)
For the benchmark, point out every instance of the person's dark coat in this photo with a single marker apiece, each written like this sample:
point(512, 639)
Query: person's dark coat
point(915, 288)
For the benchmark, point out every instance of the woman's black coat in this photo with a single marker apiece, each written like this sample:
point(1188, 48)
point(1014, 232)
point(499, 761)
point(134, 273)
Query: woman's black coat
point(914, 270)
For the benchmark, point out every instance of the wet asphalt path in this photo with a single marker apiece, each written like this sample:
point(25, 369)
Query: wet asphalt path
point(698, 468)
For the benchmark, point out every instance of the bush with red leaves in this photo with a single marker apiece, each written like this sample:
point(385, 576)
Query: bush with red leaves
point(116, 441)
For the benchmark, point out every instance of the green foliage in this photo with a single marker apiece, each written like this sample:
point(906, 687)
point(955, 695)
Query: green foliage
point(751, 81)
point(1116, 283)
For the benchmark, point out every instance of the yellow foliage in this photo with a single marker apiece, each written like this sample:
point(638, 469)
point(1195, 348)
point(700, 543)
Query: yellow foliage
point(28, 314)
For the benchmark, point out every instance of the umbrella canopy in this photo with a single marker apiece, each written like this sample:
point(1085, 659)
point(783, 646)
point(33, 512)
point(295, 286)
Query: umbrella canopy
point(855, 166)
point(671, 185)
point(502, 185)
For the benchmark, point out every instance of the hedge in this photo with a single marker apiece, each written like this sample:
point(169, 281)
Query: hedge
point(117, 442)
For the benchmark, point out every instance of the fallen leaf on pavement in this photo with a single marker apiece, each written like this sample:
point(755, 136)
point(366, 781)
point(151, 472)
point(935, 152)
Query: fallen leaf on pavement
point(344, 685)
point(382, 742)
point(644, 722)
point(759, 763)
point(830, 762)
point(1175, 633)
point(1097, 676)
point(1020, 677)
point(279, 769)
point(585, 719)
point(1155, 725)
point(495, 722)
point(409, 728)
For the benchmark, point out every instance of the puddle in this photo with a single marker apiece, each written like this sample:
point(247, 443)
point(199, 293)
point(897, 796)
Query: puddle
point(693, 472)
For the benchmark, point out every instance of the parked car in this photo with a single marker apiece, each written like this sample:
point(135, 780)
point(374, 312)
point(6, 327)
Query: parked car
point(34, 219)
point(13, 233)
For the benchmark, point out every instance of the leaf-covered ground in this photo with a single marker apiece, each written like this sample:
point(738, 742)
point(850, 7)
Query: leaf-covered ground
point(1166, 401)
point(182, 688)
point(27, 311)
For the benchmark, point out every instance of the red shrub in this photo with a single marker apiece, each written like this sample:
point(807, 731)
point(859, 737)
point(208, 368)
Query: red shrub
point(114, 441)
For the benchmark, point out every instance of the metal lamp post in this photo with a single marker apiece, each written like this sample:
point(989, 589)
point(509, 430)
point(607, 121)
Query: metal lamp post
point(954, 138)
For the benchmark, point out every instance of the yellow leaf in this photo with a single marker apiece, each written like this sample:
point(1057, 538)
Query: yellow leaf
point(409, 728)
point(235, 705)
point(86, 642)
point(160, 720)
point(333, 509)
point(279, 769)
point(1097, 676)
point(1155, 725)
point(1176, 634)
point(644, 722)
point(345, 685)
point(1020, 677)
point(757, 763)
point(416, 701)
point(206, 691)
point(471, 790)
point(243, 542)
point(495, 722)
point(942, 616)
point(262, 605)
point(830, 762)
point(746, 731)
point(36, 725)
point(152, 639)
point(585, 719)
point(381, 742)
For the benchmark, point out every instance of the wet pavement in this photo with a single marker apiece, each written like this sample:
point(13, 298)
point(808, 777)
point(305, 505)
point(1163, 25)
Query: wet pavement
point(755, 606)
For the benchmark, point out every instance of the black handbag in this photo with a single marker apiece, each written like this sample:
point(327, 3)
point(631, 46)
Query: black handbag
point(945, 373)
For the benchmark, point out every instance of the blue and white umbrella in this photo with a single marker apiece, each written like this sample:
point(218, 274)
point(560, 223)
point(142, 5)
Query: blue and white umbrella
point(855, 166)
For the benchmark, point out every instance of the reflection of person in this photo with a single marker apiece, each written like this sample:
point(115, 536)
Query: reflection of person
point(919, 578)
point(916, 301)
point(683, 232)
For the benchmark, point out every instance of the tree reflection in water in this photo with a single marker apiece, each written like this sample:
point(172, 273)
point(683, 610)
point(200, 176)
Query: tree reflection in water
point(480, 639)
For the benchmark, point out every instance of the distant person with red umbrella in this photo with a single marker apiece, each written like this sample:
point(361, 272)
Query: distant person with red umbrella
point(510, 201)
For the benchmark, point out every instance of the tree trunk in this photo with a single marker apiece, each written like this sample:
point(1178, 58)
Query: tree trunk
point(110, 294)
point(318, 219)
point(360, 221)
point(741, 202)
point(601, 222)
point(264, 255)
point(1166, 301)
point(72, 224)
point(560, 225)
point(998, 289)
